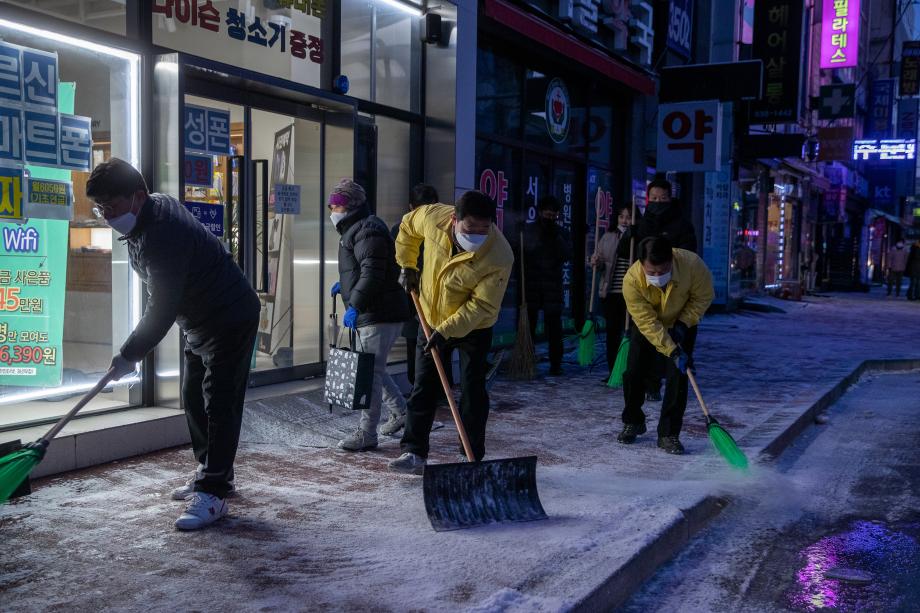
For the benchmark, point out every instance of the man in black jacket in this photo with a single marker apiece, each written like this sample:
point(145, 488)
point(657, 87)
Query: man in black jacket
point(547, 247)
point(377, 307)
point(663, 218)
point(192, 281)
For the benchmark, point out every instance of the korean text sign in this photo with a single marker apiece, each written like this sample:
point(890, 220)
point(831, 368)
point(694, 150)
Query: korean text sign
point(33, 280)
point(211, 216)
point(910, 69)
point(282, 38)
point(207, 130)
point(690, 136)
point(839, 33)
point(778, 43)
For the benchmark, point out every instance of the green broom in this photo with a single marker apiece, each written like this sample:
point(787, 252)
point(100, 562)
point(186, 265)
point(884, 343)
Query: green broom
point(619, 365)
point(721, 439)
point(588, 336)
point(523, 361)
point(16, 466)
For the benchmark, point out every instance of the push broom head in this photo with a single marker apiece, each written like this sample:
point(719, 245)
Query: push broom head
point(726, 445)
point(619, 366)
point(522, 366)
point(15, 467)
point(586, 342)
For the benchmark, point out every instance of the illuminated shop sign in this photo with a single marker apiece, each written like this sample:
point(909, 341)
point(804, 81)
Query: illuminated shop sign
point(887, 149)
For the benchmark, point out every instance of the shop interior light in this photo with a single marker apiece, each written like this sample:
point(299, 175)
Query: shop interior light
point(415, 11)
point(133, 128)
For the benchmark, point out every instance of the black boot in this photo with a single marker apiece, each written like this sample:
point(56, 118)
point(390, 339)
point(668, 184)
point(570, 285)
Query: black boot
point(630, 432)
point(671, 444)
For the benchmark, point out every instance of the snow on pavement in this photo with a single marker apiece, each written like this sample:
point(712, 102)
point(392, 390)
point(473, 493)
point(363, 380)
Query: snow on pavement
point(318, 529)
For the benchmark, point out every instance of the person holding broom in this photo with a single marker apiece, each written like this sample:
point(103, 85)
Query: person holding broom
point(612, 268)
point(194, 282)
point(467, 264)
point(667, 292)
point(547, 247)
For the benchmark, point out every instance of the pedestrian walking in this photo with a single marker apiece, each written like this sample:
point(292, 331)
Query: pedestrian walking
point(466, 267)
point(667, 292)
point(913, 271)
point(612, 269)
point(547, 247)
point(192, 281)
point(665, 218)
point(376, 304)
point(897, 264)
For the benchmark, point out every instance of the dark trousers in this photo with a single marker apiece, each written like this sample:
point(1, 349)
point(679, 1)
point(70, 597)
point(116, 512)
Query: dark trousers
point(913, 291)
point(641, 358)
point(894, 280)
point(552, 326)
point(213, 390)
point(615, 316)
point(474, 399)
point(410, 359)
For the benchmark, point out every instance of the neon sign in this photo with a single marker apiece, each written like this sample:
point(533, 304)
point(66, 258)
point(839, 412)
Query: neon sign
point(885, 149)
point(839, 33)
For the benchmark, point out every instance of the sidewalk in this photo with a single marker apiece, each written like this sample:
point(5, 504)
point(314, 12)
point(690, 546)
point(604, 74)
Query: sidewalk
point(314, 528)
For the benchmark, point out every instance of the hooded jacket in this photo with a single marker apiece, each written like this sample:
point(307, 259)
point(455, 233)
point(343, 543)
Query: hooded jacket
point(665, 220)
point(368, 271)
point(546, 249)
point(459, 293)
point(191, 279)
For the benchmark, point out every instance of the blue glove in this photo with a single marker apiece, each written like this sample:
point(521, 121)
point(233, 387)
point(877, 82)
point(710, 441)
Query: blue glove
point(336, 289)
point(351, 318)
point(683, 360)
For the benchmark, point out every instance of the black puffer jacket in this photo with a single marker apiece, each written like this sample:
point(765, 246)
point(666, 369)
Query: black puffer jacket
point(546, 248)
point(667, 221)
point(191, 279)
point(368, 270)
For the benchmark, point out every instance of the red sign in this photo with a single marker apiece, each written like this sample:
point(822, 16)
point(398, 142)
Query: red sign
point(689, 136)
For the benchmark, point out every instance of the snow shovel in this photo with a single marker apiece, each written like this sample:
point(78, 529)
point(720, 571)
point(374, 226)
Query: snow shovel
point(467, 494)
point(721, 439)
point(16, 466)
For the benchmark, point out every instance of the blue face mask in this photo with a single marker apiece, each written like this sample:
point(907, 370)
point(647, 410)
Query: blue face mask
point(124, 223)
point(470, 242)
point(660, 280)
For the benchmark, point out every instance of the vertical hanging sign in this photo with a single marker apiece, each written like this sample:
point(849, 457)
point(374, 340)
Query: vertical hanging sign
point(716, 222)
point(778, 42)
point(839, 33)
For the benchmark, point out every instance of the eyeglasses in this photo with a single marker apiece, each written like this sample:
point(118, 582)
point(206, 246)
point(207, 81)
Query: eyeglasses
point(102, 209)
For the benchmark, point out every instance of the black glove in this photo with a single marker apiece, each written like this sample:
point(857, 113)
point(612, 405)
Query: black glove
point(682, 359)
point(435, 341)
point(679, 332)
point(409, 279)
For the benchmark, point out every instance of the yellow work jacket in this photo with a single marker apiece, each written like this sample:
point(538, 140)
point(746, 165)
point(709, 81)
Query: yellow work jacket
point(686, 297)
point(459, 293)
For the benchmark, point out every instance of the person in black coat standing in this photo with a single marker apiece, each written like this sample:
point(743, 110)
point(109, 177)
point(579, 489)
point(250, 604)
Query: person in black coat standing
point(547, 247)
point(376, 304)
point(663, 218)
point(191, 281)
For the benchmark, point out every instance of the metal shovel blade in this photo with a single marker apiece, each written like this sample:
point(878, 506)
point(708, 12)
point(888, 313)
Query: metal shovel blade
point(470, 494)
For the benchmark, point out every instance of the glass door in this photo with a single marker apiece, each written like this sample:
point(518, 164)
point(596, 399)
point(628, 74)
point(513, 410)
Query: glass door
point(269, 190)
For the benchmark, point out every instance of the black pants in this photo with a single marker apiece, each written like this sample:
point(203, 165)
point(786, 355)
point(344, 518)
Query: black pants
point(894, 280)
point(552, 326)
point(913, 291)
point(410, 359)
point(615, 315)
point(474, 399)
point(213, 390)
point(641, 358)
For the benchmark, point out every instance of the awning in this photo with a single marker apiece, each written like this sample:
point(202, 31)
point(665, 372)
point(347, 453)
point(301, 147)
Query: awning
point(568, 46)
point(888, 216)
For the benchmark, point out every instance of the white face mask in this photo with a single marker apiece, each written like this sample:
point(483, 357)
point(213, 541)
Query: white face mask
point(470, 242)
point(660, 280)
point(622, 227)
point(337, 217)
point(124, 223)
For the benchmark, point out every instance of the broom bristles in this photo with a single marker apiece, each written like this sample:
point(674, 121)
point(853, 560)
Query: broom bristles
point(14, 468)
point(586, 342)
point(619, 366)
point(727, 447)
point(523, 362)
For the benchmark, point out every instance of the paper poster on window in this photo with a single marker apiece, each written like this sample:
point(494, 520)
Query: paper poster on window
point(11, 188)
point(211, 216)
point(199, 170)
point(287, 199)
point(33, 282)
point(49, 199)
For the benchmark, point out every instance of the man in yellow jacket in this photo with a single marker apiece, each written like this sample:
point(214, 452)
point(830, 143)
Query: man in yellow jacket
point(667, 292)
point(465, 270)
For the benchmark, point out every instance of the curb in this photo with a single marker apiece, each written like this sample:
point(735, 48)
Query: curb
point(619, 586)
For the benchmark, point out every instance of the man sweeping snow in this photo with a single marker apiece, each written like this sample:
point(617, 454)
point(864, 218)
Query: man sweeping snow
point(667, 292)
point(192, 281)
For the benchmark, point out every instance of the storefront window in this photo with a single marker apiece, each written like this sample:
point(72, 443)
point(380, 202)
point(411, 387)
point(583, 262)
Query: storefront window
point(393, 147)
point(385, 35)
point(78, 298)
point(108, 15)
point(498, 94)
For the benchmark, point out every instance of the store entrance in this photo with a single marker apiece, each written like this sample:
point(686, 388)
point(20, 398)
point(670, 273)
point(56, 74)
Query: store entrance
point(262, 191)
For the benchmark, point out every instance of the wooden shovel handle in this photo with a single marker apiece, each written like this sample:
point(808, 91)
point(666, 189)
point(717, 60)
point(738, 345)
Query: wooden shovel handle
point(435, 354)
point(696, 390)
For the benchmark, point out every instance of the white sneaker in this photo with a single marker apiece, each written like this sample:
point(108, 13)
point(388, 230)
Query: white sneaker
point(408, 463)
point(393, 425)
point(185, 492)
point(202, 510)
